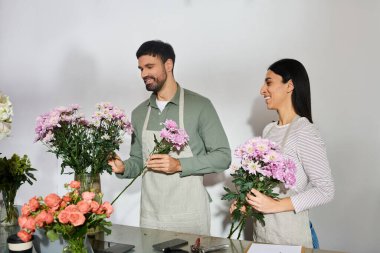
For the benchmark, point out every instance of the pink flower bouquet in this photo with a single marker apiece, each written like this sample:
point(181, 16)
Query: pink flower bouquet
point(70, 216)
point(263, 167)
point(173, 139)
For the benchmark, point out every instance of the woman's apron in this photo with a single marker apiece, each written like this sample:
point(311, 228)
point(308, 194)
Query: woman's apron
point(168, 201)
point(288, 228)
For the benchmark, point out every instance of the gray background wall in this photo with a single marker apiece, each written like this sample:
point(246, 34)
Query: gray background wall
point(61, 52)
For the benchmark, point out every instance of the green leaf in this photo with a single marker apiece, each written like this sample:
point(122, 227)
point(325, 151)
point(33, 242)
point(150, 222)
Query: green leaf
point(106, 230)
point(229, 196)
point(52, 235)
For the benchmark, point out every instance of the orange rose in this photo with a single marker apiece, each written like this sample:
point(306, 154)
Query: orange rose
point(25, 210)
point(63, 204)
point(63, 217)
point(72, 208)
point(66, 198)
point(27, 223)
point(24, 236)
point(40, 218)
point(105, 208)
point(108, 207)
point(53, 201)
point(76, 218)
point(34, 204)
point(75, 184)
point(83, 206)
point(94, 206)
point(88, 196)
point(22, 220)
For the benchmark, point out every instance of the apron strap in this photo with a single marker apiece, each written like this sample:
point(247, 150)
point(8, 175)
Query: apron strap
point(282, 146)
point(181, 111)
point(181, 108)
point(146, 119)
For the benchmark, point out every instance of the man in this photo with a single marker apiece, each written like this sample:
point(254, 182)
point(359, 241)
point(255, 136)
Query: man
point(173, 196)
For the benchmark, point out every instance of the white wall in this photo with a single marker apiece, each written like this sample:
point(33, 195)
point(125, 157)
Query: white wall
point(61, 52)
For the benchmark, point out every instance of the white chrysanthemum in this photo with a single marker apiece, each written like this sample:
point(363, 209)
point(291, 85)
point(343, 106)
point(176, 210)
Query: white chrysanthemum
point(253, 167)
point(234, 168)
point(105, 137)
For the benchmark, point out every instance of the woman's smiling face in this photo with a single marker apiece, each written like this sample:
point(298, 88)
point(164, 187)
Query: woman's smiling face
point(276, 93)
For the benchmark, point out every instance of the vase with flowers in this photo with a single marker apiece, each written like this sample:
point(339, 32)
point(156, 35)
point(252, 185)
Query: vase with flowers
point(13, 173)
point(83, 145)
point(69, 216)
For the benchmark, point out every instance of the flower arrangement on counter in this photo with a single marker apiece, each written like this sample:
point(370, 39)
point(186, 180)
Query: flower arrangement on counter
point(69, 216)
point(83, 145)
point(14, 172)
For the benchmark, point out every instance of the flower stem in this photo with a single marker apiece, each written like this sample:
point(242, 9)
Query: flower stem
point(113, 201)
point(233, 230)
point(141, 172)
point(241, 227)
point(9, 196)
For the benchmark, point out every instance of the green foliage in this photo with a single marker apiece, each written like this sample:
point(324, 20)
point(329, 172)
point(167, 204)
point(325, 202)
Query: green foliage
point(244, 182)
point(104, 141)
point(161, 147)
point(14, 172)
point(70, 145)
point(83, 147)
point(52, 235)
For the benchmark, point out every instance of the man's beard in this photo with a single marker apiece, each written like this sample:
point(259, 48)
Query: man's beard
point(156, 85)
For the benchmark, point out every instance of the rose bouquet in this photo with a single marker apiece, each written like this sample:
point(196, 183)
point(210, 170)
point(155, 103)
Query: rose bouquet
point(173, 139)
point(69, 216)
point(6, 113)
point(262, 167)
point(83, 145)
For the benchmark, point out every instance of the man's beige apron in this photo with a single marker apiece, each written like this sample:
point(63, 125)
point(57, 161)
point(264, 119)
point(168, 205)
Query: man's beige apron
point(286, 227)
point(168, 201)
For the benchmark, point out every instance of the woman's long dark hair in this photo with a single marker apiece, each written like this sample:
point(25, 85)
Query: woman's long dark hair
point(290, 69)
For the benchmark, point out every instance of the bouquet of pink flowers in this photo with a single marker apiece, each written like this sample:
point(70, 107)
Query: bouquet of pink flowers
point(70, 216)
point(84, 146)
point(262, 167)
point(173, 139)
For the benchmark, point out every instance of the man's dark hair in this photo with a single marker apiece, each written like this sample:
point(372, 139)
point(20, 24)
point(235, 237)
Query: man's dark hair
point(156, 48)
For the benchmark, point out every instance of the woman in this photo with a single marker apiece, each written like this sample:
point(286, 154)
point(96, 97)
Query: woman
point(287, 90)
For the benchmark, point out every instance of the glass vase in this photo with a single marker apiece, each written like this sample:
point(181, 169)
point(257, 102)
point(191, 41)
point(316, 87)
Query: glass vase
point(75, 245)
point(8, 211)
point(89, 182)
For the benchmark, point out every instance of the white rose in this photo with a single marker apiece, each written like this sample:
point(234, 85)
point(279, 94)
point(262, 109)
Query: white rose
point(6, 111)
